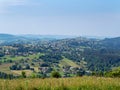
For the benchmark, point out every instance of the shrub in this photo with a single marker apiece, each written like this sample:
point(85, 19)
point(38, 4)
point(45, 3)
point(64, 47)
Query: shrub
point(55, 74)
point(23, 74)
point(113, 73)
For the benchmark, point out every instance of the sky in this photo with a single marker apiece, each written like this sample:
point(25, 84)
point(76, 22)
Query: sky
point(60, 17)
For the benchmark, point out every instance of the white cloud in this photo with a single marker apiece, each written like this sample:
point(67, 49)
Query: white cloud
point(5, 4)
point(12, 2)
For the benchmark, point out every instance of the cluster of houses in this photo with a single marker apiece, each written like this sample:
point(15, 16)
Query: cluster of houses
point(67, 71)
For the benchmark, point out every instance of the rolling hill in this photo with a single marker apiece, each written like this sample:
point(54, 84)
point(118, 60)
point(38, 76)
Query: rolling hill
point(99, 55)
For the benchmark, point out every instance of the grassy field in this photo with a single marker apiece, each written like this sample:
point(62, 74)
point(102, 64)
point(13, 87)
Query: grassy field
point(4, 67)
point(77, 83)
point(67, 62)
point(8, 57)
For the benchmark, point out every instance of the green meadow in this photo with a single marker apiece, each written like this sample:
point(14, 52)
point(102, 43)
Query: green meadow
point(76, 83)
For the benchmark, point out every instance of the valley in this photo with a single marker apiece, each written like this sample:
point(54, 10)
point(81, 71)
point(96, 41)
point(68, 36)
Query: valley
point(69, 56)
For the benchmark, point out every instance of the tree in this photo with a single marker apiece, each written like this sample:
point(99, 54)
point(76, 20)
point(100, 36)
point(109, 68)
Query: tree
point(113, 73)
point(23, 74)
point(80, 73)
point(55, 74)
point(27, 66)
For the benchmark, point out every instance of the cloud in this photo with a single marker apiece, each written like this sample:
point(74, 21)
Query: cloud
point(12, 2)
point(5, 4)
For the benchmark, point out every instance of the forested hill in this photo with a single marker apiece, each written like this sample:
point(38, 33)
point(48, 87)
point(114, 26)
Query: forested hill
point(99, 54)
point(113, 43)
point(86, 53)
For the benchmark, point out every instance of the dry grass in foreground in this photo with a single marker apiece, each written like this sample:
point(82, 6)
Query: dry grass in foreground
point(77, 83)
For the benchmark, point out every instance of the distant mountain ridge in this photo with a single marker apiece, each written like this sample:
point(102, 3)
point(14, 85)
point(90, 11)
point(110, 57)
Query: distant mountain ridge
point(48, 36)
point(6, 37)
point(9, 37)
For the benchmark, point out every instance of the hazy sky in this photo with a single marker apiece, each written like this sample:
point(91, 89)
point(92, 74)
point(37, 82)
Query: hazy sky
point(61, 17)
